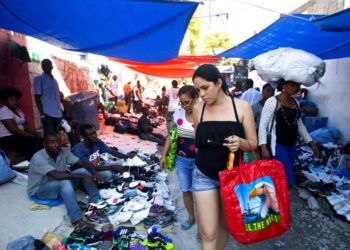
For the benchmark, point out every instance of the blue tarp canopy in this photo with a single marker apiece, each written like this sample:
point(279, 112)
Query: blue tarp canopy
point(337, 22)
point(297, 32)
point(137, 30)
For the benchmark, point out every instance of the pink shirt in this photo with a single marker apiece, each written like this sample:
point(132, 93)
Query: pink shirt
point(7, 114)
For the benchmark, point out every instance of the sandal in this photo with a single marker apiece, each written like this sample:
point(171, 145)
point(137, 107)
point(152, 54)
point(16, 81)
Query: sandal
point(186, 225)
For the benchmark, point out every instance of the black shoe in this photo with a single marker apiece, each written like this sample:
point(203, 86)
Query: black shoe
point(98, 218)
point(91, 236)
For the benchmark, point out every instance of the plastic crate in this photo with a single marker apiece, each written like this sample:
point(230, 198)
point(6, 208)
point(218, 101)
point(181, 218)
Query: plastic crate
point(83, 107)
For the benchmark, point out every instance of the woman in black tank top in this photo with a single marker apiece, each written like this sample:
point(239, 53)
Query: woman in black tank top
point(223, 124)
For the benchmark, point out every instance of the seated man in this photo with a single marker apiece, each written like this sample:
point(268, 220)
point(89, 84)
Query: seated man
point(49, 177)
point(145, 129)
point(91, 147)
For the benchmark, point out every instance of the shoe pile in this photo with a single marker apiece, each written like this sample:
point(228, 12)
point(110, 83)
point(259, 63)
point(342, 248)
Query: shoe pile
point(140, 194)
point(126, 238)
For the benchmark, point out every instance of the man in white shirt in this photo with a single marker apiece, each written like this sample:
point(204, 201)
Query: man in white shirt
point(250, 94)
point(173, 102)
point(112, 89)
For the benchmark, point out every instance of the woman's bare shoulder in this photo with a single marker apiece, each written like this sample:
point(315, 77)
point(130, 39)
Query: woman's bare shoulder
point(241, 104)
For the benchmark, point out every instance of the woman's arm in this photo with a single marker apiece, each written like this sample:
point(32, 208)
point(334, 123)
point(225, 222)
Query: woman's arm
point(30, 130)
point(250, 142)
point(265, 119)
point(165, 152)
point(11, 125)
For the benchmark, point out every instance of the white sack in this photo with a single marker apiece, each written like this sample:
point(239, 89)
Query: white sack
point(289, 64)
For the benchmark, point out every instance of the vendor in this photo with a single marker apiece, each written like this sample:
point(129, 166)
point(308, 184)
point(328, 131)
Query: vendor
point(145, 129)
point(91, 147)
point(15, 133)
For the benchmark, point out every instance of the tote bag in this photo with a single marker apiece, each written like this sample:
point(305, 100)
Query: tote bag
point(256, 202)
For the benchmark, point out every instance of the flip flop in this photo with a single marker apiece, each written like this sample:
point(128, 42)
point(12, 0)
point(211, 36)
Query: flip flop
point(185, 225)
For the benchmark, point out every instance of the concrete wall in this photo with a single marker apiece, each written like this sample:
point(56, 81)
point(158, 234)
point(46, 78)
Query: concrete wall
point(320, 7)
point(333, 96)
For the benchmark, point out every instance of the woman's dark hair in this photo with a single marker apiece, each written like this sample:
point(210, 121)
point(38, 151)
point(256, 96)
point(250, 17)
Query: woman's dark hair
point(211, 73)
point(189, 91)
point(280, 84)
point(8, 92)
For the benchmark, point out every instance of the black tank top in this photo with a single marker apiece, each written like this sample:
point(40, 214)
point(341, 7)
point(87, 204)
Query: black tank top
point(211, 159)
point(286, 125)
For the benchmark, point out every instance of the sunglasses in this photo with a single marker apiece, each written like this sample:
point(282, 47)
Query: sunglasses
point(216, 142)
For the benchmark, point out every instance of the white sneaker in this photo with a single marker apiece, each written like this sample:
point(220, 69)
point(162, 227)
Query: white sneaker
point(139, 216)
point(135, 204)
point(99, 204)
point(115, 201)
point(120, 217)
point(109, 193)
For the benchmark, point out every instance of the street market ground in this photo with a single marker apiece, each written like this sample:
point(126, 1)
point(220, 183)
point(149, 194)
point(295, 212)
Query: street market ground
point(309, 229)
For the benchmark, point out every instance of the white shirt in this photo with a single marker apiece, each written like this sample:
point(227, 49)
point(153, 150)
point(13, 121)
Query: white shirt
point(184, 128)
point(7, 114)
point(252, 96)
point(173, 99)
point(265, 124)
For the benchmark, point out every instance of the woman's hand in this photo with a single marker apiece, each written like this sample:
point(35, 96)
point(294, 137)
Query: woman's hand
point(314, 148)
point(233, 143)
point(265, 154)
point(162, 162)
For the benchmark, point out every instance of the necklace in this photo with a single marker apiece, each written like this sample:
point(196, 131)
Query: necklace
point(296, 115)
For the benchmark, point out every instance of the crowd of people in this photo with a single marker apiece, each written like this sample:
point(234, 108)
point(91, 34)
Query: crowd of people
point(210, 124)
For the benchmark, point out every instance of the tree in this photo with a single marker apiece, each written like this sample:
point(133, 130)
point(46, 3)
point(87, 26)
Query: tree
point(216, 42)
point(193, 35)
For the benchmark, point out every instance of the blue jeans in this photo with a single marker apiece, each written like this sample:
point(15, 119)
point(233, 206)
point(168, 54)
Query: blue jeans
point(184, 170)
point(65, 188)
point(201, 182)
point(287, 155)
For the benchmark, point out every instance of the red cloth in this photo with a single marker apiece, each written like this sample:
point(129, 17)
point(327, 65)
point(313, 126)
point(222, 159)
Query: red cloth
point(180, 67)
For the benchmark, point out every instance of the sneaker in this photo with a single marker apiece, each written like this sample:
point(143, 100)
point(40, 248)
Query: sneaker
point(106, 237)
point(98, 218)
point(120, 217)
point(134, 184)
point(112, 209)
point(135, 204)
point(344, 210)
point(161, 221)
point(123, 230)
point(99, 204)
point(157, 210)
point(122, 187)
point(115, 201)
point(91, 236)
point(108, 193)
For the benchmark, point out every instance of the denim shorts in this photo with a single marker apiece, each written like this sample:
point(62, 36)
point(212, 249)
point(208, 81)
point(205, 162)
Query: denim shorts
point(184, 170)
point(201, 182)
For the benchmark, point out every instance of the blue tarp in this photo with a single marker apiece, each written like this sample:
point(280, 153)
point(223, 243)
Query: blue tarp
point(337, 22)
point(297, 32)
point(137, 30)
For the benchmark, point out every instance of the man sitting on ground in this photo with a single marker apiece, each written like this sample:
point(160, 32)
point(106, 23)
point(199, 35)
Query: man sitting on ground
point(91, 147)
point(146, 130)
point(49, 177)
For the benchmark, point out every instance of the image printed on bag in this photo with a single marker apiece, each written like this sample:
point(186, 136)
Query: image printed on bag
point(258, 202)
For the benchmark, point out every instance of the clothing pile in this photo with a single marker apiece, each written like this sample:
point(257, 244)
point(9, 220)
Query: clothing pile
point(325, 177)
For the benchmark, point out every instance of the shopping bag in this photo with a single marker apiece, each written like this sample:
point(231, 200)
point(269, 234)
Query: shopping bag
point(171, 155)
point(256, 202)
